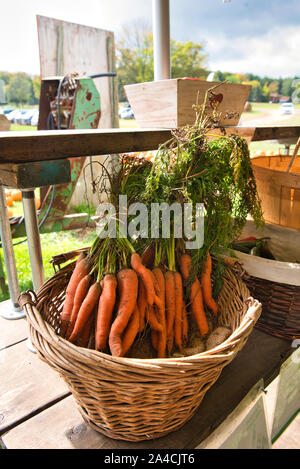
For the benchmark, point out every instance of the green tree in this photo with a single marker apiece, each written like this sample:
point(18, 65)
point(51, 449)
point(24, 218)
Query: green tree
point(19, 89)
point(256, 93)
point(135, 58)
point(286, 87)
point(5, 76)
point(188, 59)
point(36, 86)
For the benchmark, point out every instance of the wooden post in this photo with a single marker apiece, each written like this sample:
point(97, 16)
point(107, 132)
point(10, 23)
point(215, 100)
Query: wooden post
point(161, 39)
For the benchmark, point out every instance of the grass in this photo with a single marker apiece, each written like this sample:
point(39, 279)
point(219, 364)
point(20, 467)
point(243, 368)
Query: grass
point(52, 244)
point(128, 123)
point(20, 127)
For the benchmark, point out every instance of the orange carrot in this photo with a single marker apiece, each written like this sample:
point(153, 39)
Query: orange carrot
point(178, 310)
point(83, 338)
point(154, 339)
point(198, 308)
point(162, 336)
point(80, 294)
point(80, 271)
point(152, 318)
point(185, 325)
point(127, 293)
point(142, 304)
point(131, 331)
point(146, 276)
point(86, 309)
point(195, 295)
point(207, 286)
point(105, 311)
point(147, 257)
point(170, 307)
point(185, 263)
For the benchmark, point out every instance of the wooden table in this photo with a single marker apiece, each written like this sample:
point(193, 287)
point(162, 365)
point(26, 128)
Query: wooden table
point(36, 408)
point(17, 147)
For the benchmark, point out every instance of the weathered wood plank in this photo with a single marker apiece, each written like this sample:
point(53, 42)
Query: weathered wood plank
point(61, 426)
point(12, 331)
point(35, 174)
point(67, 47)
point(170, 103)
point(27, 385)
point(16, 147)
point(44, 145)
point(276, 133)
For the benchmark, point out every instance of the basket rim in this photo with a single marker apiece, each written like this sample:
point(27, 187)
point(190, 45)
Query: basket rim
point(222, 351)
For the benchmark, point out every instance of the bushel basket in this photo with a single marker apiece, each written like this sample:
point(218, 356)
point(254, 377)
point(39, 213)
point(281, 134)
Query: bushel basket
point(136, 399)
point(275, 283)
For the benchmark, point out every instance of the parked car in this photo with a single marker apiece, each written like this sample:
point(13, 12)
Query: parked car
point(24, 116)
point(12, 115)
point(123, 109)
point(35, 118)
point(287, 108)
point(17, 116)
point(126, 114)
point(27, 117)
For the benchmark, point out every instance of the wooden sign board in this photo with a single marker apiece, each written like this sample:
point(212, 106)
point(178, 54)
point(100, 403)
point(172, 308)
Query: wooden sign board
point(245, 428)
point(68, 48)
point(73, 48)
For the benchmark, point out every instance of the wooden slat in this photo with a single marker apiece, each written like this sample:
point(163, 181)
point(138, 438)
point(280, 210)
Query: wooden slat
point(276, 133)
point(35, 174)
point(44, 145)
point(12, 331)
point(27, 384)
point(16, 147)
point(61, 426)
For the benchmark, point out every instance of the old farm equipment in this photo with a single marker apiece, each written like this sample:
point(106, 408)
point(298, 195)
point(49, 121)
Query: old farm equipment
point(67, 102)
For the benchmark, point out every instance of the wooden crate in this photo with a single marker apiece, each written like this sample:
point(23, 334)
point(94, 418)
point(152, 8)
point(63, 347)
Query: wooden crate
point(169, 103)
point(279, 189)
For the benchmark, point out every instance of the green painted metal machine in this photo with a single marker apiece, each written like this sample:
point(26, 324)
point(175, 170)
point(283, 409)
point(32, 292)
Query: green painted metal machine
point(68, 102)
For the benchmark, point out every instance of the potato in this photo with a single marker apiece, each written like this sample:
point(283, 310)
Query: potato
point(219, 335)
point(196, 345)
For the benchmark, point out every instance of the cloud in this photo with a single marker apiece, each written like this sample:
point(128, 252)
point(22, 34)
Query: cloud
point(235, 19)
point(274, 54)
point(257, 36)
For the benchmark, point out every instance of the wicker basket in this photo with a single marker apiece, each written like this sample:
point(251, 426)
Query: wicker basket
point(136, 399)
point(276, 284)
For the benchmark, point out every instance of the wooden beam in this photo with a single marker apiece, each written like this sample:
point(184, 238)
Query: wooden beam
point(276, 133)
point(35, 174)
point(60, 144)
point(17, 147)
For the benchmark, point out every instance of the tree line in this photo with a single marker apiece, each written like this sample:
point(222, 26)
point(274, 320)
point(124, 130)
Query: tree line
point(19, 88)
point(134, 64)
point(263, 88)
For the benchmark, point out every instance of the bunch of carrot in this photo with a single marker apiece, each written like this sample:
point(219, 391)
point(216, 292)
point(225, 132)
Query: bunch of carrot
point(109, 306)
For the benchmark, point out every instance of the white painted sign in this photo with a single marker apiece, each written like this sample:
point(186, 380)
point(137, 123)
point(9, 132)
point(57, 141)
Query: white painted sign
point(288, 393)
point(245, 428)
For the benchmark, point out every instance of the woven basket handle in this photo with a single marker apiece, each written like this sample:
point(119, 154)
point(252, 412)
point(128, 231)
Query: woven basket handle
point(254, 310)
point(27, 297)
point(234, 264)
point(59, 259)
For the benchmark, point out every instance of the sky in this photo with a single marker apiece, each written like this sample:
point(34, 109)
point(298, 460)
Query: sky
point(239, 36)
